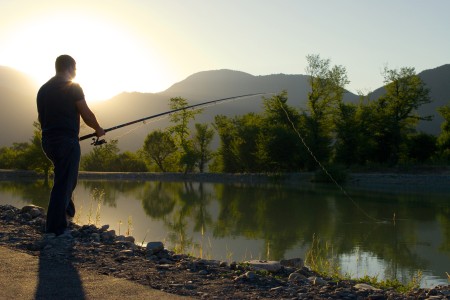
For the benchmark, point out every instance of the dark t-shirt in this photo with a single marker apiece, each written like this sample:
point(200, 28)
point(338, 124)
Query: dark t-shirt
point(57, 111)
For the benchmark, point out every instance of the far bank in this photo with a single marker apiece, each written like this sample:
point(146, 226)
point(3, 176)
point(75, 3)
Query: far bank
point(428, 180)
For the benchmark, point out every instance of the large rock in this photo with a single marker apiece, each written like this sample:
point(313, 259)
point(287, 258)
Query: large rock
point(271, 266)
point(293, 263)
point(33, 210)
point(154, 247)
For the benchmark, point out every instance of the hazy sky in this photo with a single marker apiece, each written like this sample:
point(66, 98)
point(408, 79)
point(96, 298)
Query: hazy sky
point(146, 46)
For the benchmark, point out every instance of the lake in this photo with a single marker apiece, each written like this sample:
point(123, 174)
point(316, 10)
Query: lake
point(388, 234)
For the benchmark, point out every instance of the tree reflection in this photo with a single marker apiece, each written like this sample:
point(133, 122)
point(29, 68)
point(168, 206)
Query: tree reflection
point(178, 205)
point(158, 199)
point(35, 192)
point(112, 189)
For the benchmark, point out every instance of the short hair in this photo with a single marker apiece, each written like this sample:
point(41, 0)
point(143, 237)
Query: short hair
point(64, 63)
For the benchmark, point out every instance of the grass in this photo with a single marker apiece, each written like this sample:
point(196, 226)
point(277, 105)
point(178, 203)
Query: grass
point(321, 259)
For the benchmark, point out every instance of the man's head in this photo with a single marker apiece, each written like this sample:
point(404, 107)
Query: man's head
point(65, 64)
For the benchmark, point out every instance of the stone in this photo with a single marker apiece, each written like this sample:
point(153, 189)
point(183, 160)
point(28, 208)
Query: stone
point(165, 261)
point(250, 275)
point(297, 263)
point(208, 262)
point(271, 266)
point(317, 280)
point(154, 247)
point(377, 297)
point(33, 210)
point(130, 239)
point(296, 277)
point(104, 227)
point(95, 237)
point(203, 272)
point(364, 286)
point(120, 238)
point(126, 252)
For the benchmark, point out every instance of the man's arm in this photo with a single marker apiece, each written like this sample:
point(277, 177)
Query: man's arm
point(89, 118)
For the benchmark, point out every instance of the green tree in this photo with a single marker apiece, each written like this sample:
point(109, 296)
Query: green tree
point(355, 143)
point(14, 157)
point(238, 150)
point(279, 146)
point(180, 131)
point(128, 162)
point(397, 111)
point(327, 87)
point(159, 148)
point(226, 159)
point(201, 142)
point(35, 156)
point(101, 158)
point(420, 147)
point(443, 141)
point(347, 134)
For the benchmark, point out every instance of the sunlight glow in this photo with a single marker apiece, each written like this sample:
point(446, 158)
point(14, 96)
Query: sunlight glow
point(110, 60)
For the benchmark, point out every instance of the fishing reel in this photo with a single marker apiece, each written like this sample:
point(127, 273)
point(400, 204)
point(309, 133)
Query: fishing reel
point(97, 141)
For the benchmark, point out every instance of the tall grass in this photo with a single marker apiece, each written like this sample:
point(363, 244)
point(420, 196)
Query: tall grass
point(322, 259)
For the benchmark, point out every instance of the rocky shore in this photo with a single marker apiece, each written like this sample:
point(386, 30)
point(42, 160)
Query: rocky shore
point(101, 250)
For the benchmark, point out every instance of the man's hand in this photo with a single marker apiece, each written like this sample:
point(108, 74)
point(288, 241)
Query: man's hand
point(100, 132)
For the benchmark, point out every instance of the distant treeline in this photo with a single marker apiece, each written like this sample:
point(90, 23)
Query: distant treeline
point(282, 138)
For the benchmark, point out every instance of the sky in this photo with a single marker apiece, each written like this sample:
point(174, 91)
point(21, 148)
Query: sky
point(148, 45)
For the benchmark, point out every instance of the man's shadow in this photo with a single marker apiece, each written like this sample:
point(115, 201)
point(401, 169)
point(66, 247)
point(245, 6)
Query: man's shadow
point(58, 278)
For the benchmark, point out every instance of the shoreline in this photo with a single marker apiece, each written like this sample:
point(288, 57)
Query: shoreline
point(425, 181)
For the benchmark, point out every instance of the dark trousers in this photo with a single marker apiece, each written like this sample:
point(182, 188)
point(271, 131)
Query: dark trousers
point(64, 152)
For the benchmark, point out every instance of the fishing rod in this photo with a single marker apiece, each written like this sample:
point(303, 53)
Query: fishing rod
point(97, 142)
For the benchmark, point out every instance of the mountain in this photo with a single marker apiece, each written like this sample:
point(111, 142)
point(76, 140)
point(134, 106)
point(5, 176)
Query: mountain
point(197, 88)
point(18, 103)
point(17, 95)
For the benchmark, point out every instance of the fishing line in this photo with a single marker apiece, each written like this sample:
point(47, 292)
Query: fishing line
point(142, 124)
point(322, 166)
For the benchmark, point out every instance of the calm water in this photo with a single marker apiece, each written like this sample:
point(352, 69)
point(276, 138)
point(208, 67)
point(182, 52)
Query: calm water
point(240, 222)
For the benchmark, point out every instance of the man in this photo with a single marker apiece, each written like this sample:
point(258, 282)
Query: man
point(60, 103)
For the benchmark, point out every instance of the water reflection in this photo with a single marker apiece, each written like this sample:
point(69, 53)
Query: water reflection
point(237, 221)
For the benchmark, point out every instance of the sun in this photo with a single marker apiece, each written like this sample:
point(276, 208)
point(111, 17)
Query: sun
point(110, 59)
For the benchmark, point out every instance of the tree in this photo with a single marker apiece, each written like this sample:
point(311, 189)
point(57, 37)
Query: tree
point(347, 134)
point(397, 110)
point(327, 84)
point(13, 157)
point(128, 162)
point(35, 156)
point(226, 159)
point(201, 141)
point(101, 158)
point(180, 131)
point(279, 146)
point(420, 147)
point(443, 141)
point(158, 148)
point(238, 150)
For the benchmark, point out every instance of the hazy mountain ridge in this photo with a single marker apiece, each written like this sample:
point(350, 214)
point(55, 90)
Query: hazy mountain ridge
point(18, 95)
point(18, 106)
